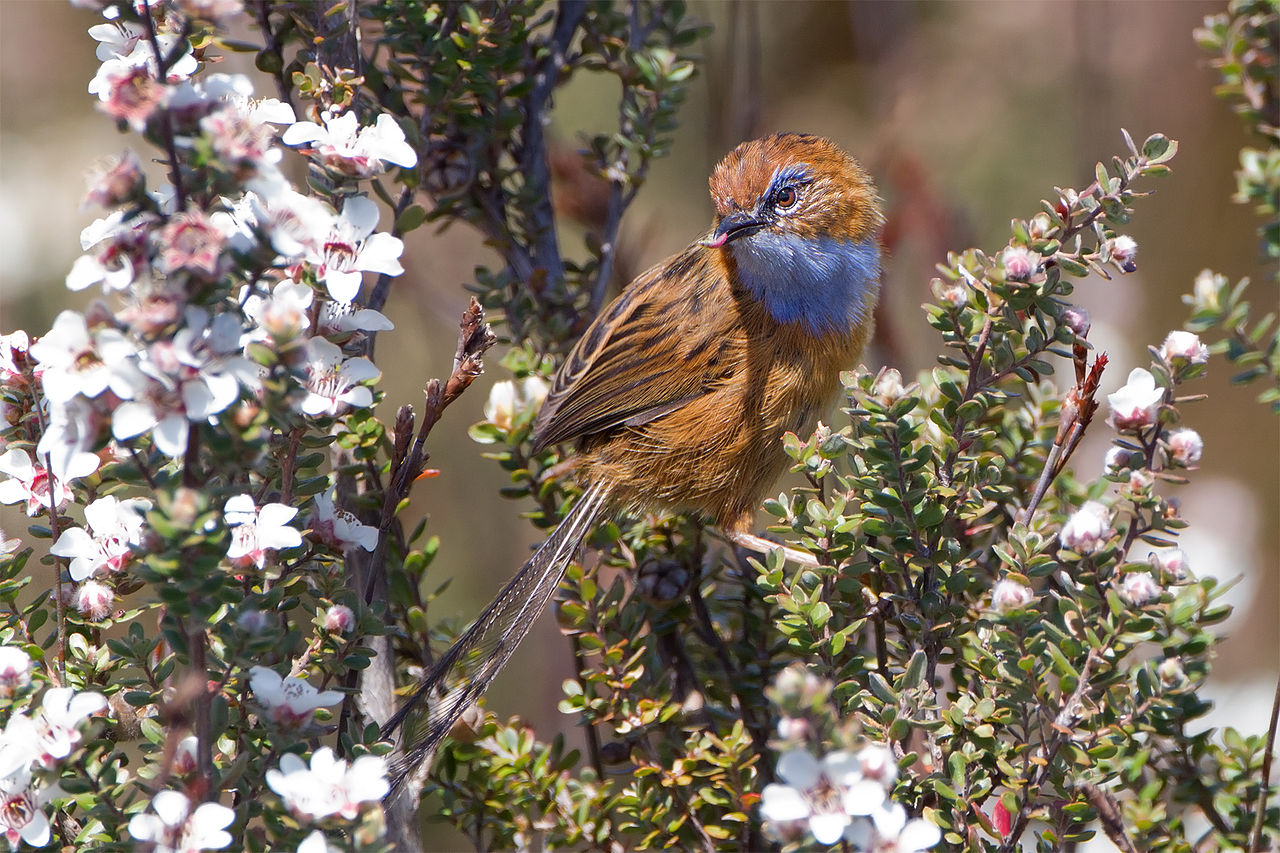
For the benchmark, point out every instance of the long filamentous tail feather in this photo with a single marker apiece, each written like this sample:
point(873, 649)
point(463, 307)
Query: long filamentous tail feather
point(465, 671)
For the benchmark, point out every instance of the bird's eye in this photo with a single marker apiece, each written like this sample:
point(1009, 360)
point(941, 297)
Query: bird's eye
point(785, 198)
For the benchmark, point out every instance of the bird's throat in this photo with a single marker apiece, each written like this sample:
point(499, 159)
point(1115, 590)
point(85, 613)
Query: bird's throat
point(829, 285)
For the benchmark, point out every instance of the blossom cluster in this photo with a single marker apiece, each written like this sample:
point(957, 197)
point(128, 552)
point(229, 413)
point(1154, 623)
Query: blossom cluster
point(230, 306)
point(843, 797)
point(34, 747)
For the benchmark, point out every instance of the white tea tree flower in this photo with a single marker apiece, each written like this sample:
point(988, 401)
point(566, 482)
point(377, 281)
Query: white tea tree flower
point(329, 785)
point(79, 361)
point(70, 434)
point(341, 144)
point(509, 399)
point(352, 249)
point(114, 527)
point(339, 528)
point(335, 383)
point(175, 827)
point(22, 816)
point(30, 484)
point(821, 796)
point(256, 531)
point(289, 702)
point(52, 734)
point(1135, 405)
point(897, 834)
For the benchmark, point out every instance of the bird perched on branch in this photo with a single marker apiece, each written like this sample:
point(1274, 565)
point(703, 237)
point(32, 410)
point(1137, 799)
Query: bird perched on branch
point(679, 393)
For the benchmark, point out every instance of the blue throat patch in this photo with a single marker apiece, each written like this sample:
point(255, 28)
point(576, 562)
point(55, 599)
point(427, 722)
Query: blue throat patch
point(829, 285)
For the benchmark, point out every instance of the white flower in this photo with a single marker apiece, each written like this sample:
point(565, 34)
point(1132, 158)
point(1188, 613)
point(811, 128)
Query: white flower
point(329, 786)
point(508, 400)
point(282, 316)
point(255, 531)
point(316, 843)
point(61, 713)
point(1136, 404)
point(79, 362)
point(344, 317)
point(52, 734)
point(352, 248)
point(290, 702)
point(296, 224)
point(1184, 347)
point(1087, 529)
point(30, 483)
point(339, 528)
point(68, 439)
point(1170, 563)
point(1185, 446)
point(1207, 289)
point(197, 375)
point(21, 814)
point(1139, 588)
point(13, 357)
point(333, 382)
point(116, 525)
point(340, 143)
point(825, 795)
point(15, 670)
point(117, 252)
point(900, 835)
point(175, 828)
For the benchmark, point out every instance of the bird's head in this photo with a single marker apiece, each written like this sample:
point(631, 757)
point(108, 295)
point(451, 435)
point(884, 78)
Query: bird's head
point(799, 218)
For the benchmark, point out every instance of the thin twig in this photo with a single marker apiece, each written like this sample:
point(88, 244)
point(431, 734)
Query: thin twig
point(1259, 820)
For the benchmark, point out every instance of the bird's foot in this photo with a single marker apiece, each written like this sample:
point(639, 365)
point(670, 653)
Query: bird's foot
point(760, 545)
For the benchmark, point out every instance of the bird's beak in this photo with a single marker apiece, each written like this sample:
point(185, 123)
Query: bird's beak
point(737, 224)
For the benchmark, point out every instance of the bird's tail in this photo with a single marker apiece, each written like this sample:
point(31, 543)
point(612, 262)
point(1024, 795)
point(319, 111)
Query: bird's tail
point(464, 672)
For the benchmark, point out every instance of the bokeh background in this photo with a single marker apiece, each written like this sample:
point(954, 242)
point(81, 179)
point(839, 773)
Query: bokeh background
point(967, 113)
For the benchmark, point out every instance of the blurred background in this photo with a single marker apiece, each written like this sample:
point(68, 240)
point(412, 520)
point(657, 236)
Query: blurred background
point(967, 114)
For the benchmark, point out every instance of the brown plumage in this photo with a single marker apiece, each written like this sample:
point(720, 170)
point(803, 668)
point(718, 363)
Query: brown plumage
point(680, 392)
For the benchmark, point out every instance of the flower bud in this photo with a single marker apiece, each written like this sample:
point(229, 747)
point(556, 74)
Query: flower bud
point(1139, 588)
point(1120, 459)
point(94, 600)
point(1208, 289)
point(1170, 564)
point(339, 619)
point(1185, 446)
point(888, 386)
point(1182, 348)
point(1123, 252)
point(1171, 672)
point(1019, 262)
point(1040, 226)
point(253, 621)
point(952, 293)
point(1010, 596)
point(1087, 529)
point(1076, 319)
point(15, 670)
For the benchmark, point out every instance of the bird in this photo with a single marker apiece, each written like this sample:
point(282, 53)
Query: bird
point(678, 394)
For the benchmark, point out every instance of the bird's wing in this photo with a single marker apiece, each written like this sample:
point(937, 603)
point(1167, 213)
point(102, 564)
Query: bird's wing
point(652, 351)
